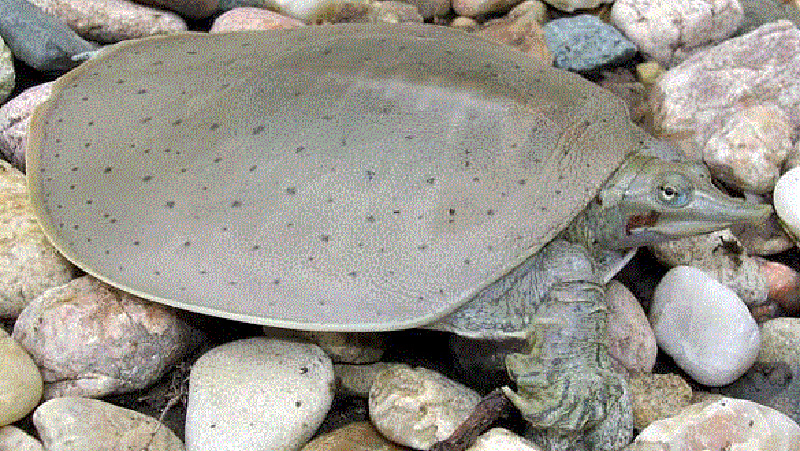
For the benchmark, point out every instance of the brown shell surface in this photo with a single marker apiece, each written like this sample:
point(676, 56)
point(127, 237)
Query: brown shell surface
point(344, 177)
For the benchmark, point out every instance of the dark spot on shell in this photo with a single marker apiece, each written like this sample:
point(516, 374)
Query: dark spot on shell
point(74, 169)
point(145, 120)
point(214, 126)
point(324, 238)
point(135, 243)
point(236, 204)
point(452, 212)
point(107, 169)
point(370, 218)
point(141, 91)
point(170, 204)
point(217, 160)
point(291, 190)
point(430, 180)
point(177, 122)
point(187, 243)
point(299, 149)
point(255, 247)
point(89, 202)
point(147, 178)
point(422, 247)
point(253, 168)
point(352, 274)
point(258, 129)
point(84, 98)
point(489, 212)
point(522, 182)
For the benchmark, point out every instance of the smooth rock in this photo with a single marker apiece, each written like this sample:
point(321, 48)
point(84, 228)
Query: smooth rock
point(20, 381)
point(704, 326)
point(787, 202)
point(499, 439)
point(246, 18)
point(112, 20)
point(193, 9)
point(15, 115)
point(722, 424)
point(391, 12)
point(40, 40)
point(473, 8)
point(308, 11)
point(523, 33)
point(258, 393)
point(84, 424)
point(780, 341)
point(358, 436)
point(115, 341)
point(29, 264)
point(631, 341)
point(584, 43)
point(784, 285)
point(669, 31)
point(428, 9)
point(720, 255)
point(418, 407)
point(572, 5)
point(657, 396)
point(15, 439)
point(750, 147)
point(6, 71)
point(729, 95)
point(356, 380)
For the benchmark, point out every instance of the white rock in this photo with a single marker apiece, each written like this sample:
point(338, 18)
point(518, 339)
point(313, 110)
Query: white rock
point(499, 439)
point(20, 381)
point(704, 326)
point(85, 424)
point(668, 30)
point(418, 407)
point(258, 394)
point(787, 202)
point(721, 424)
point(311, 11)
point(15, 439)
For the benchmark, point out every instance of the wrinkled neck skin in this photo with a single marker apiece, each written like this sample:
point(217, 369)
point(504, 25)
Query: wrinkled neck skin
point(649, 200)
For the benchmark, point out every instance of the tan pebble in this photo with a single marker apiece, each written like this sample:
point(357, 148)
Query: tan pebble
point(20, 381)
point(648, 72)
point(358, 436)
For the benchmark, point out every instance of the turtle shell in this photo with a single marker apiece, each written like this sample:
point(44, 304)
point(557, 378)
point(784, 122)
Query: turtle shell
point(343, 177)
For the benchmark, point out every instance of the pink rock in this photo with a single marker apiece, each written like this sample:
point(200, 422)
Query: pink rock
point(631, 340)
point(247, 18)
point(14, 118)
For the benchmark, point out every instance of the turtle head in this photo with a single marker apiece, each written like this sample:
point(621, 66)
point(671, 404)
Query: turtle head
point(649, 200)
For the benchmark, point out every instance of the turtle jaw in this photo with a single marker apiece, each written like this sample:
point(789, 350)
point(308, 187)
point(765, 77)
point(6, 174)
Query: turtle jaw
point(650, 200)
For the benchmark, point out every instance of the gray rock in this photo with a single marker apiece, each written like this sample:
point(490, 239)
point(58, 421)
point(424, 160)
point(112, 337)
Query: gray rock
point(6, 71)
point(115, 341)
point(29, 264)
point(15, 439)
point(84, 424)
point(39, 39)
point(760, 12)
point(258, 393)
point(584, 43)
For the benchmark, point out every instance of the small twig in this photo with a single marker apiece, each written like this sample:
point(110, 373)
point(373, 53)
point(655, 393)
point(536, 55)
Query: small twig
point(491, 408)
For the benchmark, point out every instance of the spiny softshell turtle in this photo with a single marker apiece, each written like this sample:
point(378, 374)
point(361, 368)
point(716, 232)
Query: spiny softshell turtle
point(348, 177)
point(366, 177)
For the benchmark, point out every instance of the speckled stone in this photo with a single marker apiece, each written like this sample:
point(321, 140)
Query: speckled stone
point(358, 436)
point(258, 393)
point(657, 396)
point(15, 439)
point(584, 43)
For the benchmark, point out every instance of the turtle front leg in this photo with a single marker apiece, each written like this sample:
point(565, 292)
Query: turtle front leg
point(566, 388)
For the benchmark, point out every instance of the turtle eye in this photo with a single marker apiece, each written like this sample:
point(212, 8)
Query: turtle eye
point(674, 190)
